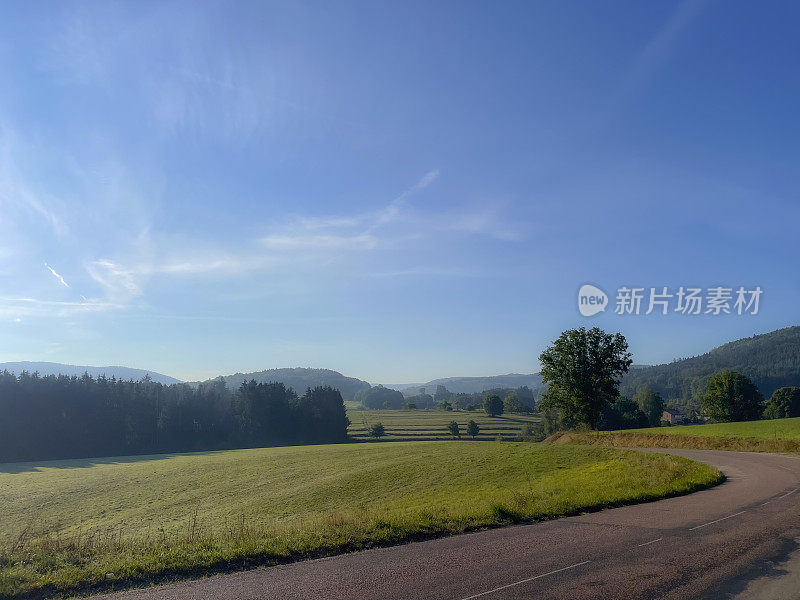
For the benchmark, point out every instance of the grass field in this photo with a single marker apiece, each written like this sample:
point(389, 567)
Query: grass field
point(84, 525)
point(432, 424)
point(776, 435)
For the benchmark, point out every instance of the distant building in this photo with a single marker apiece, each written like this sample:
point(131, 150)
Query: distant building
point(673, 417)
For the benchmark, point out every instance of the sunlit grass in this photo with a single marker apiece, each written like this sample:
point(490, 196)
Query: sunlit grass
point(775, 435)
point(87, 524)
point(772, 429)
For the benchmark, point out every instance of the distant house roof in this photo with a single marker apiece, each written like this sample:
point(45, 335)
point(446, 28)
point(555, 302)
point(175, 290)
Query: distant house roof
point(673, 412)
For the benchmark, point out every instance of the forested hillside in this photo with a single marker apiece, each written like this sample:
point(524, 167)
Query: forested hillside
point(770, 360)
point(298, 379)
point(51, 368)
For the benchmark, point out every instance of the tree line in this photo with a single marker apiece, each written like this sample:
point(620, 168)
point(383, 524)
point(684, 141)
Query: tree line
point(519, 399)
point(583, 369)
point(60, 416)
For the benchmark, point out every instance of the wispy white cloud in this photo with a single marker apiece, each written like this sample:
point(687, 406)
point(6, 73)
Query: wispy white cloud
point(486, 222)
point(660, 46)
point(17, 197)
point(361, 241)
point(302, 244)
point(16, 308)
point(427, 271)
point(56, 275)
point(343, 232)
point(120, 283)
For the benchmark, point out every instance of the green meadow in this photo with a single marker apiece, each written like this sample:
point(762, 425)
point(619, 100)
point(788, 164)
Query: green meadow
point(84, 525)
point(773, 435)
point(422, 425)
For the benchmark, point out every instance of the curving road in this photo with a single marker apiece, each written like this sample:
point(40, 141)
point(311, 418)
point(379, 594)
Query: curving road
point(734, 540)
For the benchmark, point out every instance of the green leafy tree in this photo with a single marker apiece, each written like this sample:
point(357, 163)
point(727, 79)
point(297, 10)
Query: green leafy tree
point(380, 397)
point(445, 406)
point(651, 404)
point(731, 396)
point(512, 403)
point(453, 428)
point(784, 402)
point(377, 430)
point(551, 420)
point(493, 405)
point(411, 405)
point(623, 414)
point(582, 370)
point(472, 429)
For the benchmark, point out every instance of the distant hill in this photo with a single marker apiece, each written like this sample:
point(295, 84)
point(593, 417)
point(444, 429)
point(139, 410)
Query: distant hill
point(473, 385)
point(299, 379)
point(771, 360)
point(50, 368)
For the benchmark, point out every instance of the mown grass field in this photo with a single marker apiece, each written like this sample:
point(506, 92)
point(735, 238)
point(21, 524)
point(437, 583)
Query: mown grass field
point(81, 525)
point(432, 424)
point(775, 435)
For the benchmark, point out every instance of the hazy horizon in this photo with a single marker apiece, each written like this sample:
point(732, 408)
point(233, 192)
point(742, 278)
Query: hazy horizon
point(420, 381)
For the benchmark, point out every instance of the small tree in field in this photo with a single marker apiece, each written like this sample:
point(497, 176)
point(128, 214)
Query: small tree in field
point(493, 405)
point(472, 429)
point(453, 428)
point(377, 430)
point(731, 396)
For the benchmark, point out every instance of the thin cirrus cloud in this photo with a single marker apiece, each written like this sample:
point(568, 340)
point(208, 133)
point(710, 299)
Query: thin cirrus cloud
point(337, 232)
point(300, 243)
point(56, 275)
point(17, 197)
point(369, 230)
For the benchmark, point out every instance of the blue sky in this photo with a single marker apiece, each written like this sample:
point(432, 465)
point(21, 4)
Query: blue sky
point(398, 191)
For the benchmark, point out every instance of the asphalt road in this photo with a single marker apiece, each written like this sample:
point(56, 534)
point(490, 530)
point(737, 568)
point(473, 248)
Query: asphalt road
point(718, 543)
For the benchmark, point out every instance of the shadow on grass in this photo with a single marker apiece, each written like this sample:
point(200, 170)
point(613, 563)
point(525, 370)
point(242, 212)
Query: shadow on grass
point(85, 463)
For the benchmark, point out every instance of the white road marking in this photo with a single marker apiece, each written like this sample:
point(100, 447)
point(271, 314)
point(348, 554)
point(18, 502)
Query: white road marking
point(650, 542)
point(789, 493)
point(717, 521)
point(520, 582)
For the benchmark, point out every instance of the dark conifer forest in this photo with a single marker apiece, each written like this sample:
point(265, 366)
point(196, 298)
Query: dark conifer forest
point(54, 417)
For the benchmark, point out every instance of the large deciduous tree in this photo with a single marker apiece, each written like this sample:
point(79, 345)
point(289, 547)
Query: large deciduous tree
point(582, 370)
point(784, 402)
point(731, 396)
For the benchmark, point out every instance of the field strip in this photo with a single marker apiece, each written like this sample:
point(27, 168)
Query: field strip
point(521, 581)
